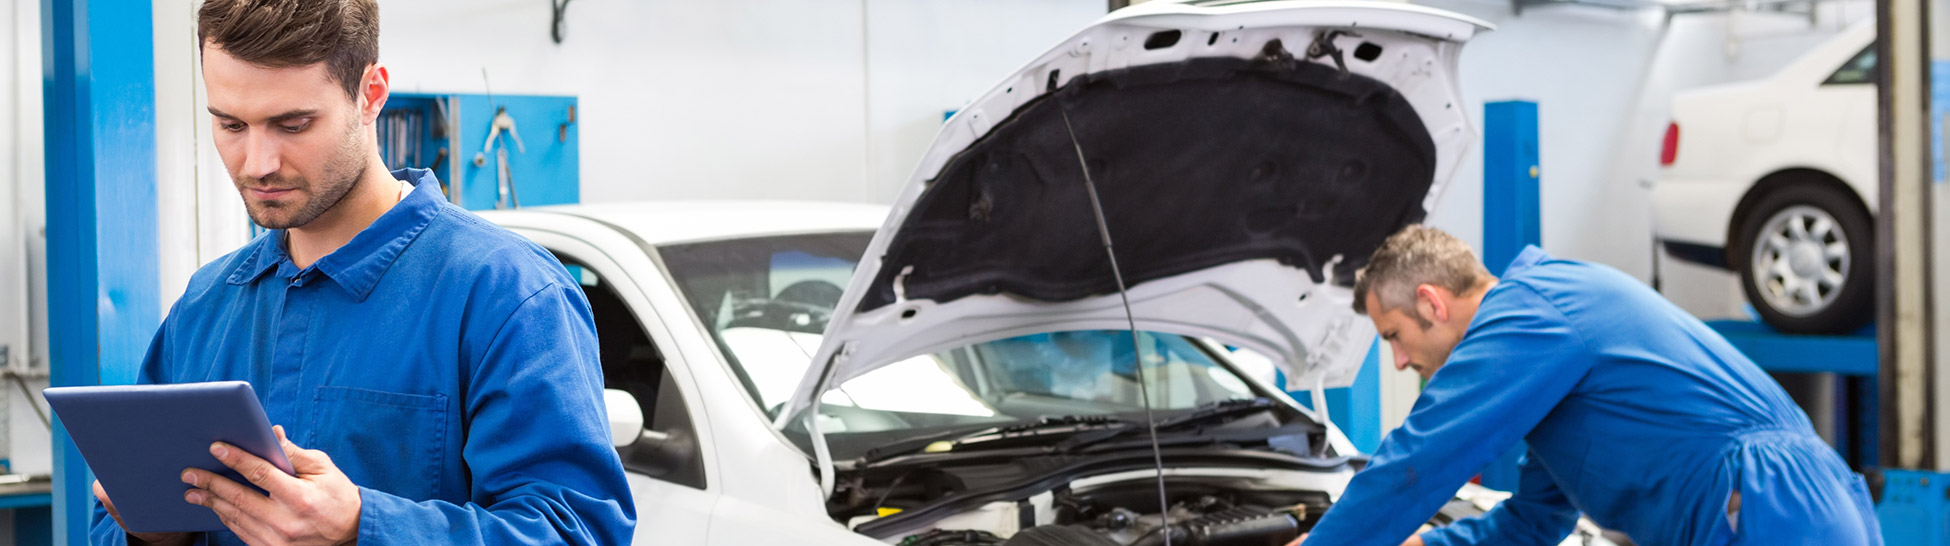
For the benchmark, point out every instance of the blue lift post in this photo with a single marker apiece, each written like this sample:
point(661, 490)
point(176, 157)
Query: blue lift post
point(1356, 409)
point(1512, 217)
point(103, 294)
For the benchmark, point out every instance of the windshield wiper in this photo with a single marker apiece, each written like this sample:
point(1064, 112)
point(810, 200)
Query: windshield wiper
point(1075, 431)
point(1032, 433)
point(1220, 411)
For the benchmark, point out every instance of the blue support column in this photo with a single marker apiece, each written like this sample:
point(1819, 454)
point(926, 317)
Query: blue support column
point(103, 306)
point(1363, 404)
point(1511, 216)
point(1355, 409)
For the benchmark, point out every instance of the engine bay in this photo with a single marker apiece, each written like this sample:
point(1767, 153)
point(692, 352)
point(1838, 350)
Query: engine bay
point(1240, 472)
point(1128, 513)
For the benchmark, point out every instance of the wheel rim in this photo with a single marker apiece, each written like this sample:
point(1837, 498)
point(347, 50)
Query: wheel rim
point(1800, 260)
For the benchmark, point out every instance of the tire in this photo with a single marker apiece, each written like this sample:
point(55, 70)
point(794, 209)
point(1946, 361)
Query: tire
point(1807, 260)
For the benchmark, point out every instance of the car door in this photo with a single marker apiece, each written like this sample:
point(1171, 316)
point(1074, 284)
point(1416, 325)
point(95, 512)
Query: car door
point(1850, 94)
point(672, 479)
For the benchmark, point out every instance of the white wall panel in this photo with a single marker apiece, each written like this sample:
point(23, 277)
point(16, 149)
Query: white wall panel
point(23, 284)
point(926, 57)
point(678, 98)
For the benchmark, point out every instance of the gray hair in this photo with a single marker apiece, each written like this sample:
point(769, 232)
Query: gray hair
point(1412, 257)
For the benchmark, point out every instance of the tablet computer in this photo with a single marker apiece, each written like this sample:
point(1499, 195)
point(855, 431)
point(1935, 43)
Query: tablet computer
point(139, 438)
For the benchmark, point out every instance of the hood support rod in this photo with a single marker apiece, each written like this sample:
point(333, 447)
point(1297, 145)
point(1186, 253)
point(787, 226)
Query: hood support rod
point(1137, 348)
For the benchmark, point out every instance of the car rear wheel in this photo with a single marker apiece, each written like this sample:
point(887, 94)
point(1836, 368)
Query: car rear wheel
point(1808, 260)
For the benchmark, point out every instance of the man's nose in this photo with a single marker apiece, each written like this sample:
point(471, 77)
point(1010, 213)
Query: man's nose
point(1401, 356)
point(260, 155)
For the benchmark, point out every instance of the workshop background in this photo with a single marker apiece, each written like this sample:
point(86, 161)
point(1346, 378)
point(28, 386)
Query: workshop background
point(831, 100)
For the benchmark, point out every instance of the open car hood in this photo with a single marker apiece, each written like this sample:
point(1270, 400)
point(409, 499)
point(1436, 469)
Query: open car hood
point(1248, 159)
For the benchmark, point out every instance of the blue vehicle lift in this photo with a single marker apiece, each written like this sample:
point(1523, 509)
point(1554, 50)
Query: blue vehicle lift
point(1852, 358)
point(103, 304)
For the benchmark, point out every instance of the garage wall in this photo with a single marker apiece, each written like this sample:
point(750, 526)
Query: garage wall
point(23, 308)
point(686, 98)
point(930, 56)
point(792, 99)
point(199, 216)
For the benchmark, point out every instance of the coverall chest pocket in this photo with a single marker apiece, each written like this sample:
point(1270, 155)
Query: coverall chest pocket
point(388, 441)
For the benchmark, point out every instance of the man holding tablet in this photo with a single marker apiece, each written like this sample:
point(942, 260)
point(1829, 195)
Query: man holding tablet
point(434, 378)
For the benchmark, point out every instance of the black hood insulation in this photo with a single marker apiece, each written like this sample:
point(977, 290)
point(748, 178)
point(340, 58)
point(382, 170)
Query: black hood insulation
point(1198, 163)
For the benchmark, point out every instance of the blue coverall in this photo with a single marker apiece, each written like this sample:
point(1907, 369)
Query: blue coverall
point(449, 368)
point(1635, 413)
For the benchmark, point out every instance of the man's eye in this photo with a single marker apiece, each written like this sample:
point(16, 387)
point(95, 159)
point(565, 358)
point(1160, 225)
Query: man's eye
point(296, 128)
point(232, 127)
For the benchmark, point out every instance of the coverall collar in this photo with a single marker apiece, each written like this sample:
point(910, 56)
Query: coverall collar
point(357, 266)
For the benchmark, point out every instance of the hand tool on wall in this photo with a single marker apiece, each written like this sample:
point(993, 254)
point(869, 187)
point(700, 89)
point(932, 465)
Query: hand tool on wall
point(504, 183)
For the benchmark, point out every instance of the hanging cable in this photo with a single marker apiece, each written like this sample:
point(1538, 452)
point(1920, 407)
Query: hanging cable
point(1137, 349)
point(556, 7)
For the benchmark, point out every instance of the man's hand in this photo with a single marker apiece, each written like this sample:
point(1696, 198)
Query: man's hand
point(1413, 540)
point(318, 506)
point(154, 539)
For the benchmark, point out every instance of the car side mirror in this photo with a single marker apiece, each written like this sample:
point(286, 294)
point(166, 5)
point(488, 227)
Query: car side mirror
point(625, 417)
point(669, 456)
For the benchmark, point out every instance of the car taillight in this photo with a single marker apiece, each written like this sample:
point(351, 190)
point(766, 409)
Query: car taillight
point(1670, 151)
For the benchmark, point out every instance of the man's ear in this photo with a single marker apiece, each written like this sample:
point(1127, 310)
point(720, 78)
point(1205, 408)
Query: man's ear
point(1430, 303)
point(374, 87)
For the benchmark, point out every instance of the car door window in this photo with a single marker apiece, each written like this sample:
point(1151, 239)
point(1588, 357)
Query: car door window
point(1859, 69)
point(632, 363)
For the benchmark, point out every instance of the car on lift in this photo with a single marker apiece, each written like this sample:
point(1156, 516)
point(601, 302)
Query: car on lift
point(962, 368)
point(1776, 180)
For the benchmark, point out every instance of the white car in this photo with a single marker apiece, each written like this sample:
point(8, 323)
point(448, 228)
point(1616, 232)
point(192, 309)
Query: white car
point(961, 368)
point(1777, 180)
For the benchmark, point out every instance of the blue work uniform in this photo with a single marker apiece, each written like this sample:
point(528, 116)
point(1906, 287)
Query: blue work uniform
point(448, 367)
point(1636, 414)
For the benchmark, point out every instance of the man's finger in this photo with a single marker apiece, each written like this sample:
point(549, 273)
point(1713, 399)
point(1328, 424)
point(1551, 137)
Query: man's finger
point(284, 441)
point(305, 462)
point(292, 452)
point(102, 495)
point(218, 488)
point(247, 526)
point(258, 471)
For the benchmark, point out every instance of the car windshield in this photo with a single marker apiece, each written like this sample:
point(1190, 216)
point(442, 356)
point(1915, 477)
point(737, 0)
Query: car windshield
point(765, 301)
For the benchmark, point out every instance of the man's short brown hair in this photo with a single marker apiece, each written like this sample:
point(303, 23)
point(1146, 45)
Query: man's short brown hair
point(343, 34)
point(1412, 257)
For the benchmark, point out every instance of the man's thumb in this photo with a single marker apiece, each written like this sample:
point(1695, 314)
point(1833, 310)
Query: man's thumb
point(299, 461)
